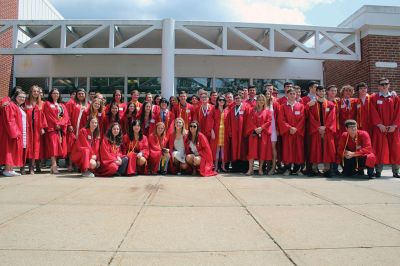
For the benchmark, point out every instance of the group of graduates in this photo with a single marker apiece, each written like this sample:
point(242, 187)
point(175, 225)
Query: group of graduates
point(207, 134)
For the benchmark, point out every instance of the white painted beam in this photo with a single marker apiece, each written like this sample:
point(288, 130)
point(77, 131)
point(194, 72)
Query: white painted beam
point(294, 40)
point(198, 37)
point(137, 37)
point(88, 36)
point(40, 36)
point(247, 39)
point(332, 39)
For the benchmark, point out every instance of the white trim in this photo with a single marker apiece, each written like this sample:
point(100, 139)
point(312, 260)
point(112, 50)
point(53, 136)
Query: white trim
point(137, 37)
point(247, 39)
point(39, 36)
point(88, 36)
point(198, 37)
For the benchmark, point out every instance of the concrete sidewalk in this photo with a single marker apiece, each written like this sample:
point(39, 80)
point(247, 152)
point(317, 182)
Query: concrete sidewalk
point(223, 220)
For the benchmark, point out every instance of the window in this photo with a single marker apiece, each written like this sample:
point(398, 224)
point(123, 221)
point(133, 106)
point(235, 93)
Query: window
point(27, 83)
point(223, 85)
point(67, 85)
point(192, 85)
point(303, 83)
point(260, 83)
point(107, 85)
point(145, 85)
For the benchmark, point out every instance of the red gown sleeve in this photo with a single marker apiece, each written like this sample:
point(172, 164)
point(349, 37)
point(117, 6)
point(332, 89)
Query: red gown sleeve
point(10, 121)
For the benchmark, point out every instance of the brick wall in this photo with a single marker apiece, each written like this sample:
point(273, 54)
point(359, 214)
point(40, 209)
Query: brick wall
point(8, 10)
point(374, 48)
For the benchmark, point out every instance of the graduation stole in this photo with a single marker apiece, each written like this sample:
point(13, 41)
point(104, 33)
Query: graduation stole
point(347, 140)
point(201, 109)
point(324, 106)
point(114, 148)
point(131, 147)
point(166, 117)
point(367, 97)
point(185, 118)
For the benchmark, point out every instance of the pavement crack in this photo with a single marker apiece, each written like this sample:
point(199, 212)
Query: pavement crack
point(340, 205)
point(258, 223)
point(153, 190)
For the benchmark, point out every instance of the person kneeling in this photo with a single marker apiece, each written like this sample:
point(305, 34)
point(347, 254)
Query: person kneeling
point(356, 151)
point(113, 162)
point(198, 151)
point(136, 147)
point(85, 152)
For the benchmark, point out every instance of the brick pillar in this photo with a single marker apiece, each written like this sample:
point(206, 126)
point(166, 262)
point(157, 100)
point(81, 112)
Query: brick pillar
point(8, 10)
point(374, 48)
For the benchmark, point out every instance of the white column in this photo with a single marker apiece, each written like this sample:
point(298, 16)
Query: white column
point(168, 58)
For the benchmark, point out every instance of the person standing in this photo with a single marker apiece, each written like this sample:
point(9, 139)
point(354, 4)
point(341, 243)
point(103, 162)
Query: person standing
point(364, 108)
point(234, 129)
point(37, 125)
point(385, 119)
point(16, 140)
point(291, 127)
point(57, 121)
point(321, 130)
point(258, 131)
point(184, 109)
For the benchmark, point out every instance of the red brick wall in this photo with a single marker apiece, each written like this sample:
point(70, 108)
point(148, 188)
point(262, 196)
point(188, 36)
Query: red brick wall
point(374, 48)
point(8, 10)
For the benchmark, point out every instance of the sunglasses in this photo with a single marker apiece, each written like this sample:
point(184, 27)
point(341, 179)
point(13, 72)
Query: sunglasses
point(384, 84)
point(193, 126)
point(221, 100)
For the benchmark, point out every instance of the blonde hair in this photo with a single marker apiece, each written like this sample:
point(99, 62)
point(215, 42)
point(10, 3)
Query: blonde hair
point(345, 87)
point(264, 99)
point(184, 132)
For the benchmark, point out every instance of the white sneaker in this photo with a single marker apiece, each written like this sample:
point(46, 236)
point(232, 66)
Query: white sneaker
point(10, 173)
point(87, 174)
point(7, 173)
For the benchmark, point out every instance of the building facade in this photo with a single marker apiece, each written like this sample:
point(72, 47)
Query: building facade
point(163, 57)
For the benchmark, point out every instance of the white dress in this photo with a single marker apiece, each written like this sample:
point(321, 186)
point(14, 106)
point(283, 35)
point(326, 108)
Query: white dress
point(274, 136)
point(179, 150)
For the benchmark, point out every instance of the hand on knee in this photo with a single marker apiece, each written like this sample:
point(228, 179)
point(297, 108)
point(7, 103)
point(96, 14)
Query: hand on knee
point(92, 164)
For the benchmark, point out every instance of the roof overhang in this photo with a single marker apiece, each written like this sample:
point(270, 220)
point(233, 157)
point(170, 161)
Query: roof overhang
point(72, 37)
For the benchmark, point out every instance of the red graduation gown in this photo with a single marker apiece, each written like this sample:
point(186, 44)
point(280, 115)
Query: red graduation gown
point(84, 148)
point(13, 149)
point(292, 145)
point(361, 146)
point(37, 121)
point(75, 111)
point(186, 113)
point(131, 149)
point(346, 112)
point(108, 155)
point(204, 119)
point(2, 122)
point(322, 150)
point(364, 114)
point(385, 111)
point(100, 119)
point(155, 151)
point(204, 150)
point(126, 122)
point(282, 100)
point(260, 147)
point(234, 128)
point(55, 140)
point(168, 121)
point(149, 126)
point(216, 120)
point(121, 108)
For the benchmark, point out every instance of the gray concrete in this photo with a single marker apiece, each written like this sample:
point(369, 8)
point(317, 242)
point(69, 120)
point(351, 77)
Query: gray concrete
point(223, 220)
